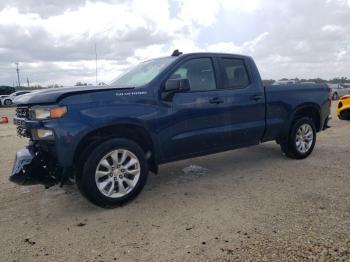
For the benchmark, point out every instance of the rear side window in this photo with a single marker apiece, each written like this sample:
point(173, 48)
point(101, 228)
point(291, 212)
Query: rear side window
point(199, 72)
point(234, 73)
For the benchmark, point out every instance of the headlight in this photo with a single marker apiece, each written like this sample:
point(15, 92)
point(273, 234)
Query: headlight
point(41, 113)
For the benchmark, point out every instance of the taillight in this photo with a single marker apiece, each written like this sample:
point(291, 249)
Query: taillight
point(345, 97)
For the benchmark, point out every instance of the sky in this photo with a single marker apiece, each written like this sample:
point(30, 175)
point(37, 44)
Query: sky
point(54, 40)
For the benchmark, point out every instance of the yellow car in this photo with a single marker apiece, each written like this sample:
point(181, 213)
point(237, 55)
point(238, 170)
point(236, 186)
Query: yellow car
point(343, 109)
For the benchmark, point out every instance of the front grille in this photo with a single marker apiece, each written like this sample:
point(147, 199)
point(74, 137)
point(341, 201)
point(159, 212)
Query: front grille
point(22, 112)
point(22, 132)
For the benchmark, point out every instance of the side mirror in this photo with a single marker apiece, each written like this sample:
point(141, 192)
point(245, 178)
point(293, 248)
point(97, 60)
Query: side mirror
point(177, 85)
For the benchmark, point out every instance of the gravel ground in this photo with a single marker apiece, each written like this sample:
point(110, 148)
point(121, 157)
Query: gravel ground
point(251, 204)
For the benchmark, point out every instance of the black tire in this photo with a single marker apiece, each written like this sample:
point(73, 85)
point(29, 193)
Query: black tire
point(345, 115)
point(86, 179)
point(7, 102)
point(335, 96)
point(289, 146)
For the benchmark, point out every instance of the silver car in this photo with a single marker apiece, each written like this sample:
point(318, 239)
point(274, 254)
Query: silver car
point(339, 90)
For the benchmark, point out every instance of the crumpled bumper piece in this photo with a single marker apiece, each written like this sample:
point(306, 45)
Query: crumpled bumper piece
point(29, 168)
point(21, 166)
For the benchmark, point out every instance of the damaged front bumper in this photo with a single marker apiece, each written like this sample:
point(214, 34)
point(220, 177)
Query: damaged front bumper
point(38, 162)
point(34, 167)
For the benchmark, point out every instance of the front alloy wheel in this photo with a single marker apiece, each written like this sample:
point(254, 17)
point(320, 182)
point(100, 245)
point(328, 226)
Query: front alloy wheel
point(117, 173)
point(113, 173)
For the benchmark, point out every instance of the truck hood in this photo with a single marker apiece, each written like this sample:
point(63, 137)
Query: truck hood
point(52, 95)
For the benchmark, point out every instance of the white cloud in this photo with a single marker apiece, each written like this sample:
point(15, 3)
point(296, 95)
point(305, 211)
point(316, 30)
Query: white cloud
point(56, 42)
point(242, 5)
point(332, 28)
point(248, 47)
point(224, 47)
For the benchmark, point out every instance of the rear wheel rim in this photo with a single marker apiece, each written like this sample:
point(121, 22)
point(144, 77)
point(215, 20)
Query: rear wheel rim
point(117, 173)
point(304, 138)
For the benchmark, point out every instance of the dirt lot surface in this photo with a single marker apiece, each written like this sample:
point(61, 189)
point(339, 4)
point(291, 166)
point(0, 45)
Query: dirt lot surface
point(249, 204)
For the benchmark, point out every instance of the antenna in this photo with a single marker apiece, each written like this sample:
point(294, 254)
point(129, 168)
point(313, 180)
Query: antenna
point(17, 69)
point(96, 61)
point(176, 53)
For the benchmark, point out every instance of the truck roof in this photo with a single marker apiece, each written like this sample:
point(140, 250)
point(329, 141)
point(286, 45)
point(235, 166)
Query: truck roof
point(212, 54)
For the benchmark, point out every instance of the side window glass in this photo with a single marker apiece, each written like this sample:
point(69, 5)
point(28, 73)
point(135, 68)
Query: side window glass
point(234, 73)
point(199, 72)
point(180, 73)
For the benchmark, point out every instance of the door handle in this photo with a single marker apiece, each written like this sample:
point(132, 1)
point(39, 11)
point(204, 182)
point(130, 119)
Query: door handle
point(216, 100)
point(256, 97)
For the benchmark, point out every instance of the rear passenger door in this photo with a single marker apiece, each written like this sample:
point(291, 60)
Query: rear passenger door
point(244, 101)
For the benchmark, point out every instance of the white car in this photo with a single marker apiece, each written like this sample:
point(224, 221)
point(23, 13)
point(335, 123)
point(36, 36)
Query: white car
point(339, 90)
point(284, 82)
point(2, 97)
point(8, 100)
point(307, 83)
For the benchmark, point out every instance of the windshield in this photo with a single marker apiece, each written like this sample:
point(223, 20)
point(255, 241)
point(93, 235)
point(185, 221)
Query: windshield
point(143, 73)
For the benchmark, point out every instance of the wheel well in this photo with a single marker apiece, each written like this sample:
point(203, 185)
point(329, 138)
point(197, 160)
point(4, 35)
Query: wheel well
point(310, 112)
point(128, 131)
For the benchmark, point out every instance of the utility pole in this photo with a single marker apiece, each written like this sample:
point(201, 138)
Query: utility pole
point(96, 63)
point(19, 82)
point(28, 82)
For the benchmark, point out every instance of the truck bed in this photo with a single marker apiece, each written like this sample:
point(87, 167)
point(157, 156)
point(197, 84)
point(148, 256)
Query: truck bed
point(283, 100)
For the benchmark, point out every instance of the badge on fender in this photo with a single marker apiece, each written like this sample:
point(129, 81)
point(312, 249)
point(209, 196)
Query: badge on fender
point(133, 93)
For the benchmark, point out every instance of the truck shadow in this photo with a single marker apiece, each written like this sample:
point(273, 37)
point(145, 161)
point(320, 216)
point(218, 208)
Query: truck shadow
point(230, 169)
point(206, 167)
point(218, 164)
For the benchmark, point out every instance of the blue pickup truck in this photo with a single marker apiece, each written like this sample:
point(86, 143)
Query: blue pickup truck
point(108, 138)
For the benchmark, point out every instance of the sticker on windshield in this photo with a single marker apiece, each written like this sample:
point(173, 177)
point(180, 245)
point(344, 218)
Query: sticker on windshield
point(134, 93)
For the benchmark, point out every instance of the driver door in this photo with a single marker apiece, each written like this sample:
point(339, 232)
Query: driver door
point(194, 123)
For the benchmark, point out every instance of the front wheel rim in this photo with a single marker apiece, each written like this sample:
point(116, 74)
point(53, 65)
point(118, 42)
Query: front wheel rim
point(117, 173)
point(304, 138)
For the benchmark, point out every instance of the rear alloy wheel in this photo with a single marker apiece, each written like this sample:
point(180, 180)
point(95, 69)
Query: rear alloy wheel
point(114, 173)
point(304, 138)
point(301, 140)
